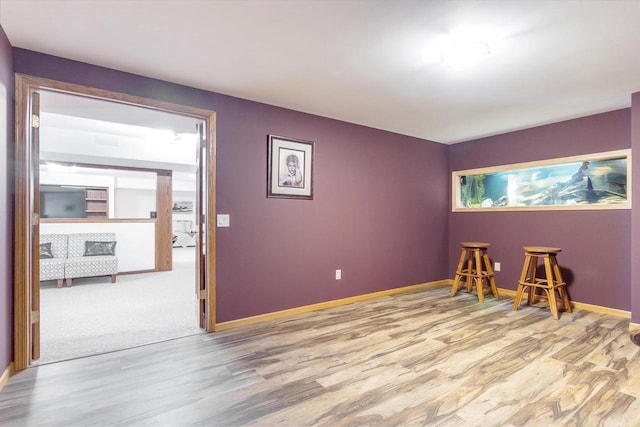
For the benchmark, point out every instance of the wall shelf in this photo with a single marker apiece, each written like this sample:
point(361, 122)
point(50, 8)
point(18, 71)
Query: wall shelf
point(97, 202)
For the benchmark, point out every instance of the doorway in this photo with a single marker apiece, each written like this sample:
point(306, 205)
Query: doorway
point(27, 290)
point(153, 298)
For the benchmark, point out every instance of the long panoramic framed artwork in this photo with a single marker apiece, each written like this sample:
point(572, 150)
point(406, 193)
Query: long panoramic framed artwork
point(289, 168)
point(591, 181)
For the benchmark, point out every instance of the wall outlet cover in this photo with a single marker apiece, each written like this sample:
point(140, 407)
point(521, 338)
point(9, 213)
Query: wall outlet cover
point(223, 220)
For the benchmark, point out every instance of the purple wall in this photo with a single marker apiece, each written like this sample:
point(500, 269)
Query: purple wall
point(635, 219)
point(595, 245)
point(379, 212)
point(6, 202)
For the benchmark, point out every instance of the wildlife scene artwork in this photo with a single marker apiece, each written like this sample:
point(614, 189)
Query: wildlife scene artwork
point(599, 181)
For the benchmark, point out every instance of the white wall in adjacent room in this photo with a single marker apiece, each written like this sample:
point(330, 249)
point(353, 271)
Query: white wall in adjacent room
point(134, 202)
point(136, 247)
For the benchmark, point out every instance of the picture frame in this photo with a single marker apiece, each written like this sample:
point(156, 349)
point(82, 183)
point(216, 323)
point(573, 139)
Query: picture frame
point(182, 206)
point(584, 182)
point(289, 168)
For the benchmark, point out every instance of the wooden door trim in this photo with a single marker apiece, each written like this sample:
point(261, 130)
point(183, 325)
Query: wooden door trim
point(34, 132)
point(24, 86)
point(210, 231)
point(164, 254)
point(23, 253)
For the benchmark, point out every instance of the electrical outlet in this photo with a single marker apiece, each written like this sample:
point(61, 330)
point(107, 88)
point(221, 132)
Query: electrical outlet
point(496, 266)
point(338, 274)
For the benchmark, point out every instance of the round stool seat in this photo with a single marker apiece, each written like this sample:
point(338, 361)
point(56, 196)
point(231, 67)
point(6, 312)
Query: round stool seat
point(542, 249)
point(476, 245)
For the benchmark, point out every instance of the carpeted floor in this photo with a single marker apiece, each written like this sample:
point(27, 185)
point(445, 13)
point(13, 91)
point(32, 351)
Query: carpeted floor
point(96, 316)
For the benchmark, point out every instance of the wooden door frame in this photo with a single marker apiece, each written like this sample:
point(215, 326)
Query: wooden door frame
point(24, 257)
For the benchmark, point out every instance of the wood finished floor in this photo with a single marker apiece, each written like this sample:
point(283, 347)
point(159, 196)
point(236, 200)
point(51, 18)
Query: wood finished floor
point(419, 358)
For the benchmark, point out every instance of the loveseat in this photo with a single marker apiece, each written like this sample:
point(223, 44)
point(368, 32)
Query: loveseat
point(53, 254)
point(77, 255)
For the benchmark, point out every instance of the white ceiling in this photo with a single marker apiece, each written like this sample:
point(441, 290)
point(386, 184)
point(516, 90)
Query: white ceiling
point(91, 131)
point(371, 62)
point(109, 114)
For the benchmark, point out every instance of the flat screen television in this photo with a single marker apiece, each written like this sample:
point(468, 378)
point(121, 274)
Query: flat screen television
point(62, 202)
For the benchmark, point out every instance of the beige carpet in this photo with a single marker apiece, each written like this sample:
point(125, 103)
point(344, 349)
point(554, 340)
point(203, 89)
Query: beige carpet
point(96, 316)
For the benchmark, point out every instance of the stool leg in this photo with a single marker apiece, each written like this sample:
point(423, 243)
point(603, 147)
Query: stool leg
point(551, 293)
point(456, 280)
point(469, 271)
point(478, 278)
point(521, 283)
point(533, 266)
point(562, 286)
point(490, 275)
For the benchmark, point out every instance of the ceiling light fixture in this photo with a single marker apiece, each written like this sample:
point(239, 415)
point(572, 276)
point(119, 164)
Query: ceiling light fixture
point(463, 53)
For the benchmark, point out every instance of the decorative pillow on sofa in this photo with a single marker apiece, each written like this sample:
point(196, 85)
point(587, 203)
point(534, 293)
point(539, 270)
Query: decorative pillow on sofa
point(45, 251)
point(99, 248)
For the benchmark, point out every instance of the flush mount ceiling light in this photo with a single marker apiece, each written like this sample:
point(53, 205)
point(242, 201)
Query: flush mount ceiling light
point(461, 53)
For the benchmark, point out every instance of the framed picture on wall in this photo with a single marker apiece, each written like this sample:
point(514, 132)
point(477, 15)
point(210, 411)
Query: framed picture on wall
point(289, 168)
point(182, 207)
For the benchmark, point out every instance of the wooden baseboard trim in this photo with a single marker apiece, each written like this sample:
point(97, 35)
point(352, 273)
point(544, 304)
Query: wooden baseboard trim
point(634, 333)
point(5, 375)
point(123, 273)
point(223, 326)
point(581, 305)
point(604, 310)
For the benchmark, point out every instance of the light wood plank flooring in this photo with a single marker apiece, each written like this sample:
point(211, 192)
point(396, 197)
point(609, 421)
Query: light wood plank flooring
point(419, 358)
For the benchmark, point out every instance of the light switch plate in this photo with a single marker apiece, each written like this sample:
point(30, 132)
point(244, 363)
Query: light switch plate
point(223, 220)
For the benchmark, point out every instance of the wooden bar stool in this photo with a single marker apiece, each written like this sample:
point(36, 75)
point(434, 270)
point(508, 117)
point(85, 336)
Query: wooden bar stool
point(474, 267)
point(551, 282)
